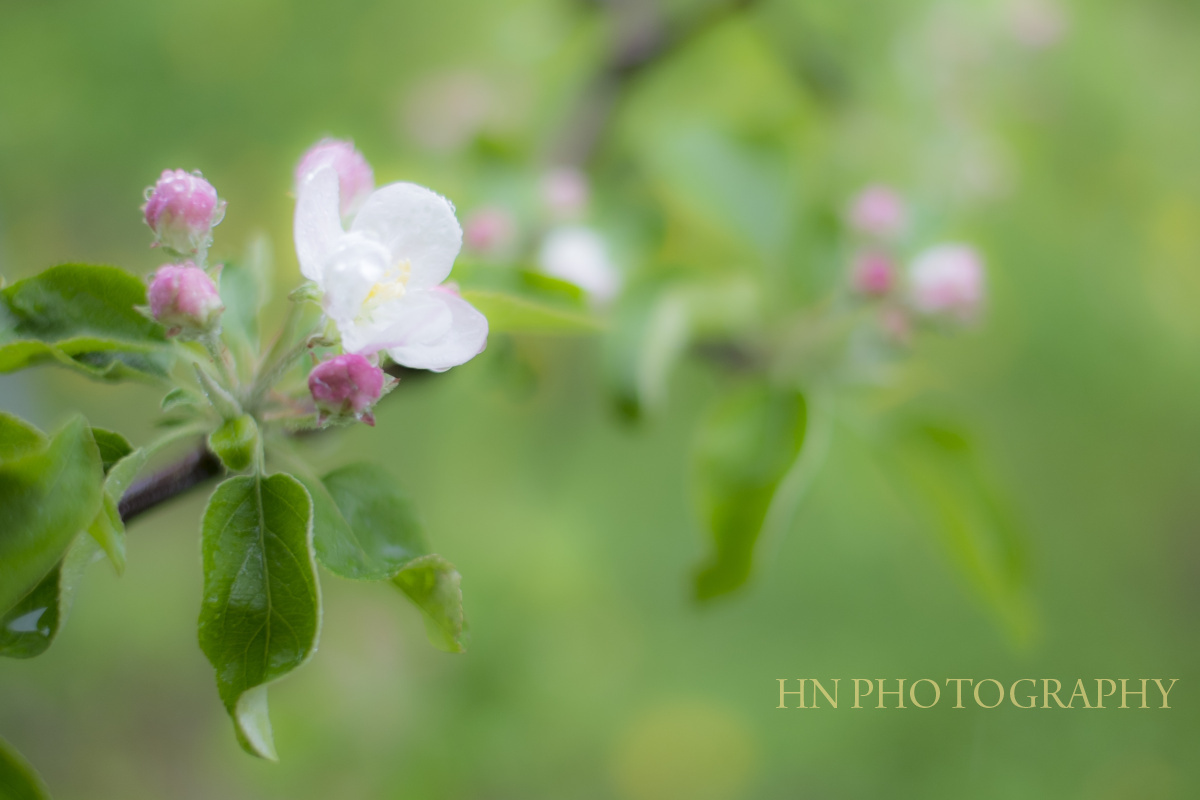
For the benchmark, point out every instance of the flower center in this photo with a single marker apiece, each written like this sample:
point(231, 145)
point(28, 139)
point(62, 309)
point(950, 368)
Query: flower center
point(393, 287)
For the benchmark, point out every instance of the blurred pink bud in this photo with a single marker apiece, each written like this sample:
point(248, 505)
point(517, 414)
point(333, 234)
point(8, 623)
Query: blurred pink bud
point(184, 298)
point(565, 192)
point(182, 209)
point(948, 280)
point(489, 229)
point(873, 274)
point(356, 180)
point(878, 211)
point(346, 385)
point(1038, 24)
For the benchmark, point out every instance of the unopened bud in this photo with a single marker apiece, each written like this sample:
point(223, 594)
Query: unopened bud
point(356, 180)
point(878, 211)
point(873, 274)
point(346, 386)
point(182, 209)
point(184, 298)
point(948, 280)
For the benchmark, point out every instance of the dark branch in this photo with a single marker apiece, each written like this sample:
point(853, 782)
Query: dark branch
point(190, 471)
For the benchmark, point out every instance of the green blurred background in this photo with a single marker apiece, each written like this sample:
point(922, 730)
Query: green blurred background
point(1075, 167)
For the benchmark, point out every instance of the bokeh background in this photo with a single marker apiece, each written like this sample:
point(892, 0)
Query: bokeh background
point(1060, 138)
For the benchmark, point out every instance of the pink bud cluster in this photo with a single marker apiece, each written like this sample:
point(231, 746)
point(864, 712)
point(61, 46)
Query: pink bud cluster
point(943, 282)
point(182, 208)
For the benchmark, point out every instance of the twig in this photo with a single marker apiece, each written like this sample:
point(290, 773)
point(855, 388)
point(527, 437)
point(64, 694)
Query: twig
point(187, 473)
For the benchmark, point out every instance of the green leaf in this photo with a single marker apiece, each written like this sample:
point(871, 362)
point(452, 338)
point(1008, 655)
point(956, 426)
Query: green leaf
point(83, 317)
point(745, 450)
point(235, 442)
point(365, 528)
point(46, 498)
point(29, 628)
point(107, 529)
point(18, 779)
point(113, 446)
point(434, 586)
point(650, 333)
point(938, 466)
point(18, 437)
point(261, 612)
point(180, 397)
point(512, 314)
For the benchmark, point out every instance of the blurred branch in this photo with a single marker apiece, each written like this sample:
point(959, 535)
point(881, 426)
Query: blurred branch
point(185, 474)
point(633, 53)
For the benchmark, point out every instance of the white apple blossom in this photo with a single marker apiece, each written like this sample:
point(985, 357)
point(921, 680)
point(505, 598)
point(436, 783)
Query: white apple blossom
point(578, 255)
point(380, 280)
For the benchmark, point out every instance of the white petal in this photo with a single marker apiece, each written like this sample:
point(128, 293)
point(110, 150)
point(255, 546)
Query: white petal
point(415, 319)
point(318, 225)
point(416, 225)
point(465, 339)
point(349, 274)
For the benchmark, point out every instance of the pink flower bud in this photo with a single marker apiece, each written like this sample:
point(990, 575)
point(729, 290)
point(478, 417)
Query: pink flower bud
point(182, 209)
point(948, 280)
point(873, 274)
point(878, 211)
point(489, 230)
point(184, 298)
point(346, 385)
point(356, 180)
point(565, 192)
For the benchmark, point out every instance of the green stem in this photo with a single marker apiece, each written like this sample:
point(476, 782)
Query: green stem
point(212, 343)
point(280, 358)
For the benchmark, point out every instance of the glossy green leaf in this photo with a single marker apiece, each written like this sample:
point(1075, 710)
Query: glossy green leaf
point(18, 437)
point(509, 313)
point(83, 317)
point(364, 526)
point(235, 442)
point(745, 450)
point(46, 498)
point(18, 779)
point(938, 467)
point(260, 616)
point(435, 587)
point(29, 628)
point(113, 446)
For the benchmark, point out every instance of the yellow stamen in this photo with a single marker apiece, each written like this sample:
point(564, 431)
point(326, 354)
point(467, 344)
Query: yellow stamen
point(391, 289)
